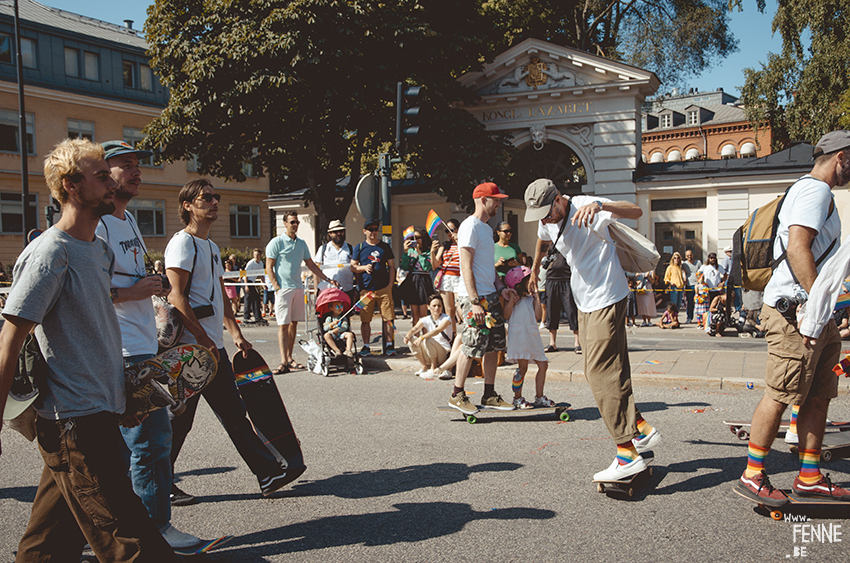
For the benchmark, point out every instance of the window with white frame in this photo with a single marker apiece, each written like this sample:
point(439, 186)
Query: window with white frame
point(11, 213)
point(91, 66)
point(28, 58)
point(9, 123)
point(666, 120)
point(133, 136)
point(78, 129)
point(149, 215)
point(245, 221)
point(72, 62)
point(693, 117)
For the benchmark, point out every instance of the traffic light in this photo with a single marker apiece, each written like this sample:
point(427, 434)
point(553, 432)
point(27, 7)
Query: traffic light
point(406, 117)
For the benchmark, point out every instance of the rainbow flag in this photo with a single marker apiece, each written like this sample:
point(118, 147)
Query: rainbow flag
point(362, 302)
point(409, 232)
point(432, 222)
point(843, 301)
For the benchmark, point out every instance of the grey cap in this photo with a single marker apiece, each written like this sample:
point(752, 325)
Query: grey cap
point(539, 197)
point(117, 148)
point(832, 142)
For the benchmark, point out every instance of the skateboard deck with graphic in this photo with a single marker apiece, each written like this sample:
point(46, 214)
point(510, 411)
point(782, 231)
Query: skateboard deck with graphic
point(737, 427)
point(798, 504)
point(267, 413)
point(204, 547)
point(560, 410)
point(627, 486)
point(168, 379)
point(835, 445)
point(169, 325)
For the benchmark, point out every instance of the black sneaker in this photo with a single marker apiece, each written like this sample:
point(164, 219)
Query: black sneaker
point(274, 482)
point(180, 498)
point(390, 351)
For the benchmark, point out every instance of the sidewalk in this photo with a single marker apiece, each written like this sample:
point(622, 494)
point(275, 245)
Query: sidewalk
point(713, 368)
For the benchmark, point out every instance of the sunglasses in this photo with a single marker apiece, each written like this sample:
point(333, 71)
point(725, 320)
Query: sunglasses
point(294, 222)
point(209, 197)
point(506, 231)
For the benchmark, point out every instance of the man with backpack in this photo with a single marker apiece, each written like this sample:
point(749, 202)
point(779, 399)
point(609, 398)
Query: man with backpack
point(808, 230)
point(334, 258)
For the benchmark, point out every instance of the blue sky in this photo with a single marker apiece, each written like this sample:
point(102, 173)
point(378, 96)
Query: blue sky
point(751, 28)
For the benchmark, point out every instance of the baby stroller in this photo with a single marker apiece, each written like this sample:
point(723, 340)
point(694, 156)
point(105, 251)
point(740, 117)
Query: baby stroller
point(320, 356)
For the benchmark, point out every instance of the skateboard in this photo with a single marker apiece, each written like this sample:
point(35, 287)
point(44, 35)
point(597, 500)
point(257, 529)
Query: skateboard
point(627, 486)
point(835, 445)
point(267, 412)
point(796, 504)
point(204, 547)
point(559, 409)
point(169, 326)
point(168, 379)
point(737, 427)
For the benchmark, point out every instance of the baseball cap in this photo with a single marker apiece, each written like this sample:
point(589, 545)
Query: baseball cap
point(539, 197)
point(336, 225)
point(487, 189)
point(371, 222)
point(832, 142)
point(117, 148)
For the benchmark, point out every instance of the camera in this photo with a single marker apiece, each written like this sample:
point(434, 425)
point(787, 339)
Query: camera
point(546, 261)
point(787, 307)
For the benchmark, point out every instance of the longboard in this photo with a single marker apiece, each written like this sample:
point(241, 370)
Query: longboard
point(796, 503)
point(560, 410)
point(267, 412)
point(168, 379)
point(737, 427)
point(204, 547)
point(626, 486)
point(835, 444)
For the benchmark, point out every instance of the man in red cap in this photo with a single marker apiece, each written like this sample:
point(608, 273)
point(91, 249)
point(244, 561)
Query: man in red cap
point(483, 332)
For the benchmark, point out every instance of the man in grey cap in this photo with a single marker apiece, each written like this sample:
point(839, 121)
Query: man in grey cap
point(799, 369)
point(579, 228)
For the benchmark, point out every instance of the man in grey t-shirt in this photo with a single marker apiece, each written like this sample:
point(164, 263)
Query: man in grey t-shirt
point(690, 266)
point(62, 289)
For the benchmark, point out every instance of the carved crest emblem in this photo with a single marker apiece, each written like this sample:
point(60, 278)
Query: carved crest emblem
point(536, 75)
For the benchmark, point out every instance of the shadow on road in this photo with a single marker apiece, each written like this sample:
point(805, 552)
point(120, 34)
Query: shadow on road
point(22, 494)
point(408, 523)
point(383, 482)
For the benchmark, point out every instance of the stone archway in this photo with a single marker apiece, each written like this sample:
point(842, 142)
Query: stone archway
point(555, 161)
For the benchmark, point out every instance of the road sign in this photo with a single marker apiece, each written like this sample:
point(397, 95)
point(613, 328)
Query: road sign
point(366, 197)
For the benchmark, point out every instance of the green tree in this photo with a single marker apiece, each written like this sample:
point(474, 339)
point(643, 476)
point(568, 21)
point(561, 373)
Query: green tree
point(676, 39)
point(304, 89)
point(802, 92)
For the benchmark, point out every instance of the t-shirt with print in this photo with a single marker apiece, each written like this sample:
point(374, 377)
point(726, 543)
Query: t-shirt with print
point(136, 318)
point(62, 284)
point(597, 278)
point(807, 204)
point(288, 255)
point(182, 251)
point(477, 235)
point(378, 256)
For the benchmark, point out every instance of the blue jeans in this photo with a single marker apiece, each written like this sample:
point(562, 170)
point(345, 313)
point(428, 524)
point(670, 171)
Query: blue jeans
point(224, 399)
point(675, 297)
point(147, 451)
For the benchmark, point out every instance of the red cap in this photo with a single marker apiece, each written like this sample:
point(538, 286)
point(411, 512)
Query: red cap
point(487, 189)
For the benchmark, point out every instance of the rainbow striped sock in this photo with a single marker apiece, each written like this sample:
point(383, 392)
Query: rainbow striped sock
point(795, 410)
point(626, 453)
point(810, 466)
point(755, 459)
point(643, 427)
point(516, 385)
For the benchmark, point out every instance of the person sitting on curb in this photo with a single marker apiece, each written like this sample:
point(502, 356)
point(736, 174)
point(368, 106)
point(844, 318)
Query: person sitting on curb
point(433, 343)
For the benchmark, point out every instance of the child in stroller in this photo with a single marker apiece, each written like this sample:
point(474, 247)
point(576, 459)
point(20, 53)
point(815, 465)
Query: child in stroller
point(333, 327)
point(336, 329)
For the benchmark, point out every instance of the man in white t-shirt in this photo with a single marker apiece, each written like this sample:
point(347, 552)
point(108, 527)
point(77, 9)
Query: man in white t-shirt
point(254, 272)
point(799, 368)
point(149, 442)
point(578, 226)
point(192, 257)
point(478, 300)
point(334, 258)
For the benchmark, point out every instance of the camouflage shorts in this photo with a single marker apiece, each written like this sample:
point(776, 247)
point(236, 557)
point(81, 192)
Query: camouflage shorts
point(474, 342)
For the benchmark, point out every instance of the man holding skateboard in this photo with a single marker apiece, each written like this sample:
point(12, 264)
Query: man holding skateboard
point(578, 227)
point(193, 266)
point(132, 289)
point(62, 289)
point(478, 301)
point(799, 368)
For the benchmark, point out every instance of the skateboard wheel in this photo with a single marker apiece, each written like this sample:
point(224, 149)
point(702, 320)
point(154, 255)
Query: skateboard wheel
point(649, 472)
point(826, 455)
point(564, 416)
point(776, 514)
point(179, 408)
point(630, 492)
point(734, 429)
point(600, 487)
point(470, 418)
point(743, 434)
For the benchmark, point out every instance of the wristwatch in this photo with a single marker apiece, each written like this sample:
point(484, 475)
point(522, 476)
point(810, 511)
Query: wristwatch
point(599, 203)
point(476, 301)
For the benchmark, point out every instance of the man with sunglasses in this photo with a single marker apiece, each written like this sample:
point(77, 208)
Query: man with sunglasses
point(372, 263)
point(149, 442)
point(334, 258)
point(578, 226)
point(284, 255)
point(507, 253)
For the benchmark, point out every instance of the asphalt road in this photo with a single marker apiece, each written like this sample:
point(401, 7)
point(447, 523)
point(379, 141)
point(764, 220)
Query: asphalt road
point(391, 478)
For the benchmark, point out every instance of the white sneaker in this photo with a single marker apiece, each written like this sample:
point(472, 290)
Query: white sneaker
point(429, 374)
point(791, 437)
point(420, 371)
point(177, 539)
point(617, 472)
point(541, 326)
point(521, 404)
point(647, 442)
point(543, 401)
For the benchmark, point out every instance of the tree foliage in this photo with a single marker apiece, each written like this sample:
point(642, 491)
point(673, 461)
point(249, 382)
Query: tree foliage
point(801, 93)
point(676, 39)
